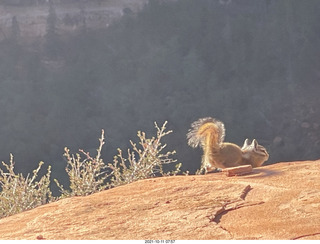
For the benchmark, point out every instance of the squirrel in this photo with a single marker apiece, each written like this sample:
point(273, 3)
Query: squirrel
point(209, 133)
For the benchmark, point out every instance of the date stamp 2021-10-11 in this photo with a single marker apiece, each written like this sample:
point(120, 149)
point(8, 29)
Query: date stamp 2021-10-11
point(159, 241)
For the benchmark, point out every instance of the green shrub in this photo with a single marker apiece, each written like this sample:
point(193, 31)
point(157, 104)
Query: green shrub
point(19, 194)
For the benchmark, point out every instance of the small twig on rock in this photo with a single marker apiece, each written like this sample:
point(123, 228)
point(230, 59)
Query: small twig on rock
point(245, 192)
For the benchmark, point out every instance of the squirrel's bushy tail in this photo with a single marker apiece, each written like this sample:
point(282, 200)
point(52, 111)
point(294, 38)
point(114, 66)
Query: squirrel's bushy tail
point(209, 133)
point(206, 129)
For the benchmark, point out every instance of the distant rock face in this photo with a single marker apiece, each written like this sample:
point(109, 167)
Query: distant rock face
point(71, 15)
point(279, 201)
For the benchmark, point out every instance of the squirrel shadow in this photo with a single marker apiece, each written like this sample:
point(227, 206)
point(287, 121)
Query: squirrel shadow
point(261, 172)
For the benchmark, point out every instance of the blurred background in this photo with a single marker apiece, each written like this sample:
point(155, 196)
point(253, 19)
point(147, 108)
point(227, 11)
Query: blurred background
point(70, 68)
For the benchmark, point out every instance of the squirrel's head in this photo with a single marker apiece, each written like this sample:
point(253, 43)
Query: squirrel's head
point(254, 152)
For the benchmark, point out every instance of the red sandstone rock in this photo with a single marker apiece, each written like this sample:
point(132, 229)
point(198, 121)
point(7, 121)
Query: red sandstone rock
point(280, 201)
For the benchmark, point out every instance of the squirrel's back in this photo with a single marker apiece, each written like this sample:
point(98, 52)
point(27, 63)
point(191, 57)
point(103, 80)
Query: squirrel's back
point(209, 133)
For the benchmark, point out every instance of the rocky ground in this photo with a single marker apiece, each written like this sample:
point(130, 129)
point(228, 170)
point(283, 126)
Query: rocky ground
point(279, 201)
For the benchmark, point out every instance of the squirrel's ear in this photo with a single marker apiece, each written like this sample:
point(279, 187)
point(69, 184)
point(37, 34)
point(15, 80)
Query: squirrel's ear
point(246, 144)
point(254, 143)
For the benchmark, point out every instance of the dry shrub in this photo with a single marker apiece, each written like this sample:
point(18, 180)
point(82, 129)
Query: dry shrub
point(19, 193)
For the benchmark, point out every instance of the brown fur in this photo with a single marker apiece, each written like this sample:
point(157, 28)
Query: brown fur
point(209, 133)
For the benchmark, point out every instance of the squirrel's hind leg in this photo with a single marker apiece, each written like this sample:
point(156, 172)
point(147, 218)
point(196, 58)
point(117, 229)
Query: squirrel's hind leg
point(205, 168)
point(214, 170)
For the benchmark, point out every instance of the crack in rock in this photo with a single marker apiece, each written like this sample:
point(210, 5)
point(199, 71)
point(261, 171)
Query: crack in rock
point(302, 236)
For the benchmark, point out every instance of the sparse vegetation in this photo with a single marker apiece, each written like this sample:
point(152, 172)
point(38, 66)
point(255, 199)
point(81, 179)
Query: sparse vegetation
point(144, 161)
point(91, 175)
point(19, 193)
point(88, 175)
